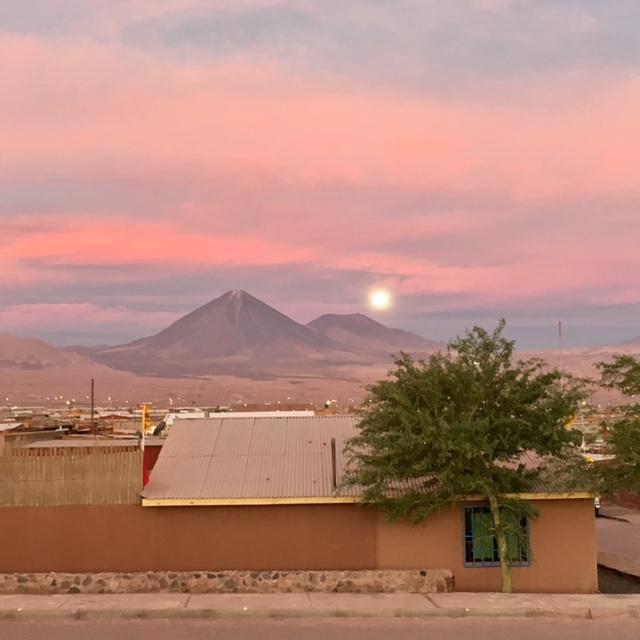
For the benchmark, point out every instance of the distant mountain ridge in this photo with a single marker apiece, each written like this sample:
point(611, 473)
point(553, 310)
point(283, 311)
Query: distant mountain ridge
point(239, 334)
point(629, 347)
point(31, 353)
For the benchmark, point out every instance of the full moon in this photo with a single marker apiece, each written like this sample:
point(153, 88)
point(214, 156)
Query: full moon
point(380, 299)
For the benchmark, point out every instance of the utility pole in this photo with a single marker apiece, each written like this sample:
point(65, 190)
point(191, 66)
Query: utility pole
point(560, 334)
point(560, 354)
point(334, 468)
point(145, 422)
point(93, 420)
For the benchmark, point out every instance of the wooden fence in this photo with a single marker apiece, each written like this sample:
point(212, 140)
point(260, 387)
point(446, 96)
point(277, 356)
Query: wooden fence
point(82, 476)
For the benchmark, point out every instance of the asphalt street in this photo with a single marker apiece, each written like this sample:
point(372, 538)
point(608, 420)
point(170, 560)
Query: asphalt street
point(618, 537)
point(619, 545)
point(309, 629)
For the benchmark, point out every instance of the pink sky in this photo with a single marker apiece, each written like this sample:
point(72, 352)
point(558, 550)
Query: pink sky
point(155, 154)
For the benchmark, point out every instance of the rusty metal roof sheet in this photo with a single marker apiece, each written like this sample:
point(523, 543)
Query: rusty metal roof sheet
point(241, 458)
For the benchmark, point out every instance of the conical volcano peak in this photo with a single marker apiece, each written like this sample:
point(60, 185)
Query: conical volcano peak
point(235, 299)
point(235, 324)
point(236, 294)
point(237, 305)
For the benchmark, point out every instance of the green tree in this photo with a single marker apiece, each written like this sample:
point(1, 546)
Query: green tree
point(459, 424)
point(622, 374)
point(623, 472)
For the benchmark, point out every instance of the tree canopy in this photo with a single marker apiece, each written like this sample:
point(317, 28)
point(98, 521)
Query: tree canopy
point(463, 423)
point(623, 472)
point(622, 374)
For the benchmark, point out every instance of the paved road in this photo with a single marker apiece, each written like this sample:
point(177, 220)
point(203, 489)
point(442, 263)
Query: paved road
point(610, 581)
point(355, 629)
point(619, 545)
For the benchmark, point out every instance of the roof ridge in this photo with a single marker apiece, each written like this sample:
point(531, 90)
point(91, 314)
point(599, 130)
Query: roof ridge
point(314, 417)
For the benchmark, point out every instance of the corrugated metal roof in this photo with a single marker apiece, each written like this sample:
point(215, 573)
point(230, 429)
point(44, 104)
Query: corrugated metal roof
point(269, 458)
point(279, 457)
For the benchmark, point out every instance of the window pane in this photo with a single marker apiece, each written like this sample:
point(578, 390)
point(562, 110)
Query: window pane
point(517, 539)
point(483, 538)
point(480, 546)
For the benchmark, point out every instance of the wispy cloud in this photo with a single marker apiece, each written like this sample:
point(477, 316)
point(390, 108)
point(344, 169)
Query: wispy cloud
point(474, 156)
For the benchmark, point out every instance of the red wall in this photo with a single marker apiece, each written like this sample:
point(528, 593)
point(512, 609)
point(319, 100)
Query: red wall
point(151, 453)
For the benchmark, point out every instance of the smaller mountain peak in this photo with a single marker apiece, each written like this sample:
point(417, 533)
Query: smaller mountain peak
point(361, 316)
point(345, 320)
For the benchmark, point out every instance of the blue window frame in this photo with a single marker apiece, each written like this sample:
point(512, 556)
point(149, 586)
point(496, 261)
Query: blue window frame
point(480, 546)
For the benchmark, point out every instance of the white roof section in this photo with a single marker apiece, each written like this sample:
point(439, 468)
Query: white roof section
point(263, 414)
point(8, 426)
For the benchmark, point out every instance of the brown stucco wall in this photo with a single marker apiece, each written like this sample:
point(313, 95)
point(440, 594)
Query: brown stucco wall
point(133, 538)
point(563, 546)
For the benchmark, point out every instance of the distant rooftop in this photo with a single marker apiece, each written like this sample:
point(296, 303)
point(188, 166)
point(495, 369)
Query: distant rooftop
point(8, 426)
point(276, 413)
point(66, 443)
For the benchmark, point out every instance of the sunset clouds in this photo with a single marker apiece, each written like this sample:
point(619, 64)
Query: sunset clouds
point(480, 161)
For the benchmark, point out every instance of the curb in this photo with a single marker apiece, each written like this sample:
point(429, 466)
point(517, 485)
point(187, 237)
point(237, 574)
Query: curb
point(625, 565)
point(618, 518)
point(205, 614)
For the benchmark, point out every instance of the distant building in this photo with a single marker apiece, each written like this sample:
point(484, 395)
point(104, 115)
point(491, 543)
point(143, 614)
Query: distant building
point(9, 426)
point(198, 414)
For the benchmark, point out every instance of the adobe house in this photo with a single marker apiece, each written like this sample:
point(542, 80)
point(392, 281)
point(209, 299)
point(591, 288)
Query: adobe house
point(258, 494)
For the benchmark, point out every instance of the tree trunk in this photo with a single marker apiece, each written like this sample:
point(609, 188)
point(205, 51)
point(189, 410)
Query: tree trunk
point(501, 540)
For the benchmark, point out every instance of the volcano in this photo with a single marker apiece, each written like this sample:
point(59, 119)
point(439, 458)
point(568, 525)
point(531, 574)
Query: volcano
point(237, 334)
point(365, 334)
point(234, 334)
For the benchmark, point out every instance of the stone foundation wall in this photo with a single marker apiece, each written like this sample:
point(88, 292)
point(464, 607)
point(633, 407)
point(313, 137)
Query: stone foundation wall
point(418, 581)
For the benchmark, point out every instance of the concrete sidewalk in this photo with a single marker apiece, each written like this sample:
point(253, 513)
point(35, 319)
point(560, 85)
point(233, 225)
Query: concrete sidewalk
point(298, 605)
